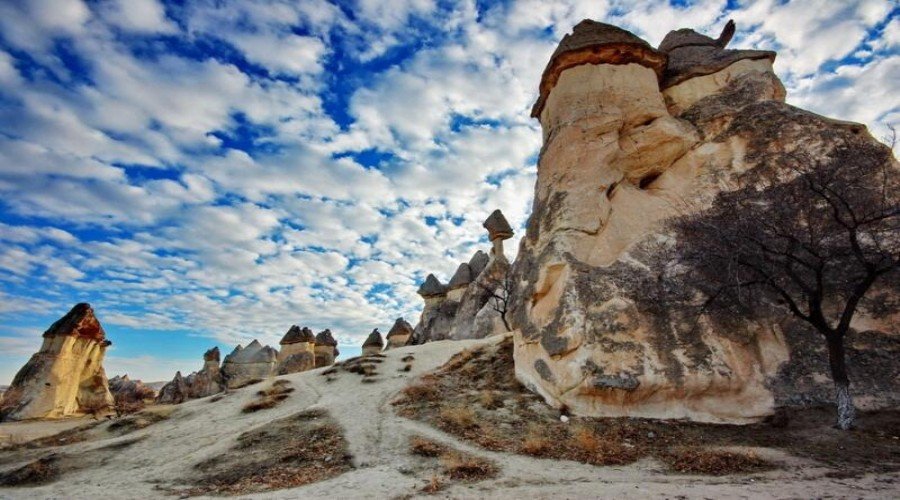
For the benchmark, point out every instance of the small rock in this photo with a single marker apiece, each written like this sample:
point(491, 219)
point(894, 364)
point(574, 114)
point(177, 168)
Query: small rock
point(564, 419)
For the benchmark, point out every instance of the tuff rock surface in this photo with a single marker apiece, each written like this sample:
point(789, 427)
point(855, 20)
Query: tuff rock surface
point(297, 352)
point(206, 382)
point(247, 364)
point(66, 376)
point(123, 388)
point(325, 349)
point(632, 136)
point(373, 343)
point(399, 334)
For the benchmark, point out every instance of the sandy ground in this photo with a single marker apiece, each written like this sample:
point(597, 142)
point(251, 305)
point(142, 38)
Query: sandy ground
point(378, 440)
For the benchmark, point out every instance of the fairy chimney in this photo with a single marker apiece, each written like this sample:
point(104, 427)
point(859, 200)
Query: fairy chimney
point(326, 349)
point(399, 334)
point(498, 230)
point(373, 343)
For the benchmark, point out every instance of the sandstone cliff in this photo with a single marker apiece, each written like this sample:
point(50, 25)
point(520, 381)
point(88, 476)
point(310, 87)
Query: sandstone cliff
point(632, 136)
point(66, 376)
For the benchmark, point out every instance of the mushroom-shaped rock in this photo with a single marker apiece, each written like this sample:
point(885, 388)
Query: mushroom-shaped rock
point(212, 355)
point(296, 335)
point(66, 375)
point(432, 287)
point(399, 333)
point(373, 343)
point(592, 42)
point(461, 278)
point(326, 349)
point(478, 262)
point(497, 226)
point(692, 54)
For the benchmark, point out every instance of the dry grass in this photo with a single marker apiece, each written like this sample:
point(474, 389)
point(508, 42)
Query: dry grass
point(457, 417)
point(41, 471)
point(434, 485)
point(286, 453)
point(407, 367)
point(139, 421)
point(535, 443)
point(694, 460)
point(269, 397)
point(425, 447)
point(460, 466)
point(409, 358)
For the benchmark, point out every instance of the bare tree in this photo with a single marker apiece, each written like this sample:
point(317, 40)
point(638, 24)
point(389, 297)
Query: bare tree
point(498, 289)
point(810, 236)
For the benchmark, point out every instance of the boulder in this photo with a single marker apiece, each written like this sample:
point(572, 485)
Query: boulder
point(325, 349)
point(399, 334)
point(66, 376)
point(249, 364)
point(373, 344)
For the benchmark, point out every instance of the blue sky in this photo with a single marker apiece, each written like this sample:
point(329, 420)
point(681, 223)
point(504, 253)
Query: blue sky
point(205, 173)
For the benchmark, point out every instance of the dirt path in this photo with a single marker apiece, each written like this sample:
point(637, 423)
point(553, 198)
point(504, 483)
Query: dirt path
point(163, 453)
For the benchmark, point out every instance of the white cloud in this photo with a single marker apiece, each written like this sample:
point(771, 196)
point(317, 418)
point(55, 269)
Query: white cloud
point(142, 16)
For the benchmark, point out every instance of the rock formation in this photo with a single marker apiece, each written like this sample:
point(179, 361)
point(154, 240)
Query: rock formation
point(326, 349)
point(297, 351)
point(373, 343)
point(124, 389)
point(634, 135)
point(66, 376)
point(465, 308)
point(206, 382)
point(248, 364)
point(399, 334)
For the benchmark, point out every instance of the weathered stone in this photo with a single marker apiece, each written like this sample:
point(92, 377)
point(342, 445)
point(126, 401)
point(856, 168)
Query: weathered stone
point(497, 226)
point(206, 382)
point(478, 262)
point(124, 389)
point(66, 376)
point(175, 392)
point(373, 343)
point(297, 352)
point(461, 278)
point(432, 287)
point(399, 334)
point(614, 165)
point(325, 349)
point(247, 364)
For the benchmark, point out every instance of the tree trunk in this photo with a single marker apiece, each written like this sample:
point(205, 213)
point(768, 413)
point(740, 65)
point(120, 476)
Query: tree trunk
point(846, 412)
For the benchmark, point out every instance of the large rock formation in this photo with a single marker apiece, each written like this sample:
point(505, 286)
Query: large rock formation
point(471, 305)
point(326, 349)
point(399, 334)
point(206, 382)
point(634, 135)
point(124, 389)
point(373, 343)
point(66, 376)
point(297, 351)
point(249, 364)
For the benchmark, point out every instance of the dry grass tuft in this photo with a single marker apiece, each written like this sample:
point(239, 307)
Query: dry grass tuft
point(464, 467)
point(138, 421)
point(286, 453)
point(407, 367)
point(42, 471)
point(695, 460)
point(434, 485)
point(409, 358)
point(426, 447)
point(269, 397)
point(457, 417)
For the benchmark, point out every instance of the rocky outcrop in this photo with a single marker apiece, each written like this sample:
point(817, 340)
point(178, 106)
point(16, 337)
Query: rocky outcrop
point(124, 389)
point(297, 351)
point(206, 382)
point(66, 376)
point(249, 364)
point(399, 334)
point(629, 141)
point(373, 344)
point(471, 305)
point(325, 349)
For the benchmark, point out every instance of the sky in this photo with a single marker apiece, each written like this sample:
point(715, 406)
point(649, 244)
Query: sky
point(209, 172)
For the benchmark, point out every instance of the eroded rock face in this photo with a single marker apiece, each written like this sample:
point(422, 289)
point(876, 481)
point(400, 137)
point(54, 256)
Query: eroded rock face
point(206, 382)
point(247, 364)
point(66, 376)
point(620, 156)
point(125, 389)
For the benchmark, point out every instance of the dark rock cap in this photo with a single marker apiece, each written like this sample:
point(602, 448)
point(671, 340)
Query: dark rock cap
point(401, 327)
point(461, 278)
point(212, 355)
point(432, 287)
point(374, 339)
point(478, 262)
point(692, 54)
point(324, 338)
point(497, 226)
point(78, 322)
point(592, 42)
point(296, 334)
